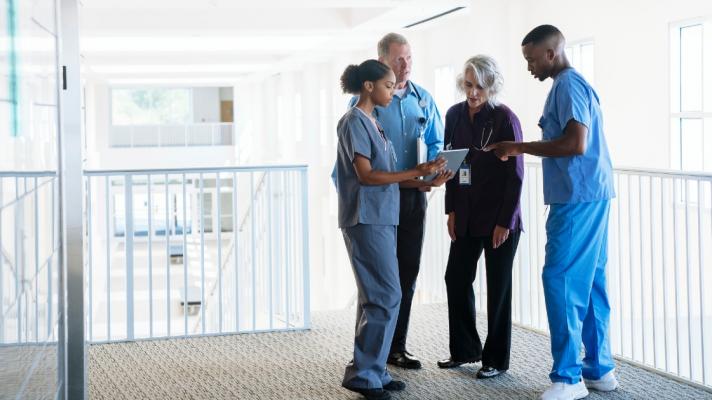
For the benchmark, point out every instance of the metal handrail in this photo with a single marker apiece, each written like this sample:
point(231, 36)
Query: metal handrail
point(27, 174)
point(171, 171)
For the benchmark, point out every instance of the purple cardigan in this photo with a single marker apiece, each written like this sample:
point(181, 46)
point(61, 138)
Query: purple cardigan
point(496, 186)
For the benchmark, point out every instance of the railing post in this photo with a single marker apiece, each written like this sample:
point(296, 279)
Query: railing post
point(236, 251)
point(89, 263)
point(201, 209)
point(150, 255)
point(107, 224)
point(37, 259)
point(2, 270)
point(253, 251)
point(217, 222)
point(129, 236)
point(167, 233)
point(305, 246)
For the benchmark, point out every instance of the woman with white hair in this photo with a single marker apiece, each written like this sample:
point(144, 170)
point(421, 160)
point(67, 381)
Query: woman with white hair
point(482, 204)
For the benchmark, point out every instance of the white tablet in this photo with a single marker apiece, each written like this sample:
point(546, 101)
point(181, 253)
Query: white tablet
point(453, 160)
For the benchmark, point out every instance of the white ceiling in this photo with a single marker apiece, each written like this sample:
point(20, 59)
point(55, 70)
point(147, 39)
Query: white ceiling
point(222, 41)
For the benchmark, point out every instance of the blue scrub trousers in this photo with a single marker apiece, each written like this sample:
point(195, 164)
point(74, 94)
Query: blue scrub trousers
point(372, 251)
point(574, 279)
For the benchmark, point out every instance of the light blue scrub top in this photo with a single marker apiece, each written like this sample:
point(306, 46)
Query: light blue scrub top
point(583, 178)
point(405, 119)
point(364, 204)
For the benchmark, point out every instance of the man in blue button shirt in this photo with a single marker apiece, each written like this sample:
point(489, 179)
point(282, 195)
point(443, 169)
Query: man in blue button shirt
point(578, 186)
point(410, 117)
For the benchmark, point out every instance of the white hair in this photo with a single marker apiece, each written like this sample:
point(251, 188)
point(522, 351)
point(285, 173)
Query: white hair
point(488, 76)
point(384, 45)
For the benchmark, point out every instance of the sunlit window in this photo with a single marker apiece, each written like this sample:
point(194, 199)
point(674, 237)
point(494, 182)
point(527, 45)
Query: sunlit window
point(691, 96)
point(151, 106)
point(580, 56)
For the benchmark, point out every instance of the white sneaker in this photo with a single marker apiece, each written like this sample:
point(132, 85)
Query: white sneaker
point(607, 383)
point(565, 391)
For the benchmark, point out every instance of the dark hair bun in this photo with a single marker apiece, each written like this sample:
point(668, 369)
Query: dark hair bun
point(350, 80)
point(355, 75)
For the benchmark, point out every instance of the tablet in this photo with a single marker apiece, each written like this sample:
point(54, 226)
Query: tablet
point(453, 160)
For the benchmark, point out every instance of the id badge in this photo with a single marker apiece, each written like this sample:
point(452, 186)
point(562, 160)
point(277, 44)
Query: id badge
point(465, 175)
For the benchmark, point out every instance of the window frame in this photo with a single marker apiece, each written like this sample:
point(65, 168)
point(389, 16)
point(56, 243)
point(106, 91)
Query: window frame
point(677, 115)
point(576, 45)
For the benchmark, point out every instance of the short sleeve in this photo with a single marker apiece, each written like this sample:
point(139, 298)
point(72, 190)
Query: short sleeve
point(573, 102)
point(355, 139)
point(434, 132)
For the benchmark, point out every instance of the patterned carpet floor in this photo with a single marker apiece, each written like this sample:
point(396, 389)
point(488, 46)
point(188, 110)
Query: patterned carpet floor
point(310, 364)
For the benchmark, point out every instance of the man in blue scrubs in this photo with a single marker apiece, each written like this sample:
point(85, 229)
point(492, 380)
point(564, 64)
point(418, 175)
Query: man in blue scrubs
point(578, 186)
point(411, 116)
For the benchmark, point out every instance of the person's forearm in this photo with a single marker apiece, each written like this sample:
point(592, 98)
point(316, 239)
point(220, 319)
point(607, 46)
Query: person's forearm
point(415, 184)
point(552, 148)
point(374, 177)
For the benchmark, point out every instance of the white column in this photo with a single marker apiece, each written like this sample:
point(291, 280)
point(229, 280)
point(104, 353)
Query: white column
point(72, 199)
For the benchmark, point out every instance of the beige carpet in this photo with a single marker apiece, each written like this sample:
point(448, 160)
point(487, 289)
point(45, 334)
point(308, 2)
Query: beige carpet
point(309, 365)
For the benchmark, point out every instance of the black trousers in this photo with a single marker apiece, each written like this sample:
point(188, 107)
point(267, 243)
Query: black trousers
point(409, 242)
point(461, 271)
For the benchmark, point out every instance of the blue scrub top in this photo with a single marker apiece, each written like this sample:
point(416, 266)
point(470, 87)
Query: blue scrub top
point(364, 204)
point(583, 178)
point(405, 118)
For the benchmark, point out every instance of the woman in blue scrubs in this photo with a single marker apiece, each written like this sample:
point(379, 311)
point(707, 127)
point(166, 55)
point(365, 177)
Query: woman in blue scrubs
point(368, 196)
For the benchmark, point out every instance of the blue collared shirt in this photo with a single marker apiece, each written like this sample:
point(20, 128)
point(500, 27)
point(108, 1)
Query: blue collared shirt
point(358, 203)
point(405, 119)
point(587, 177)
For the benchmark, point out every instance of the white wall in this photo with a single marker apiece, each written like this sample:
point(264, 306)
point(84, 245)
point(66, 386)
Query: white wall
point(206, 104)
point(226, 93)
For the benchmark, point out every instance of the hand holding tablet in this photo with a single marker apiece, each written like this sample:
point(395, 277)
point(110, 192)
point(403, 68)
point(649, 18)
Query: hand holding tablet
point(453, 160)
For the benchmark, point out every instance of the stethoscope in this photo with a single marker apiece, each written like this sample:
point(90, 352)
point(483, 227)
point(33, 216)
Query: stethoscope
point(483, 142)
point(421, 103)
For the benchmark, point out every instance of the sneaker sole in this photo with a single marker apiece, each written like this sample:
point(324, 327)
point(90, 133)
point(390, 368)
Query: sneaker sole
point(579, 395)
point(582, 394)
point(607, 387)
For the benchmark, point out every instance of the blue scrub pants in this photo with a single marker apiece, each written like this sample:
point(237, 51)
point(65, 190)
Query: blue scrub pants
point(574, 279)
point(372, 251)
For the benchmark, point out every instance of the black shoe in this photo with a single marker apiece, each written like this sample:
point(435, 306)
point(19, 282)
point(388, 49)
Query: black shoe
point(371, 394)
point(404, 360)
point(450, 363)
point(395, 386)
point(488, 372)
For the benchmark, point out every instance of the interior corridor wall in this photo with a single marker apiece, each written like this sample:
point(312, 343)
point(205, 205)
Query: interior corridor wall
point(100, 154)
point(632, 62)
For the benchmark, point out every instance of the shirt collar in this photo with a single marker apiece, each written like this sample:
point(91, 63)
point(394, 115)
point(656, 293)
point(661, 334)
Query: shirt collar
point(409, 89)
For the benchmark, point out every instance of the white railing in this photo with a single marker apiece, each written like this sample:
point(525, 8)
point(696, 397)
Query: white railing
point(659, 265)
point(29, 252)
point(165, 259)
point(177, 135)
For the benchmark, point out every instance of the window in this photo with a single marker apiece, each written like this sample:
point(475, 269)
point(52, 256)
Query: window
point(445, 93)
point(151, 106)
point(691, 96)
point(580, 55)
